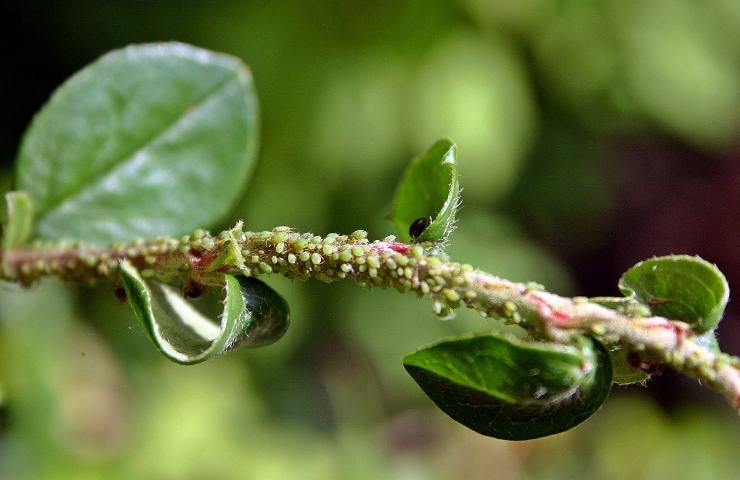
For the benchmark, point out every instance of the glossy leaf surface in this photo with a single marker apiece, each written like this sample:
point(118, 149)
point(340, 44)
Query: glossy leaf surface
point(154, 139)
point(428, 195)
point(510, 389)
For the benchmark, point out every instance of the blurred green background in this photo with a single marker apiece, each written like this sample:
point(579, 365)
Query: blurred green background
point(591, 133)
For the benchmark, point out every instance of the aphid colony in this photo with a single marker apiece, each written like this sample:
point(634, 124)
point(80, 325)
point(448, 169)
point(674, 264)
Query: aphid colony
point(384, 263)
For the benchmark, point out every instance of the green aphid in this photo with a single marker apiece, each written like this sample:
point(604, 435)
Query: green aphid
point(316, 259)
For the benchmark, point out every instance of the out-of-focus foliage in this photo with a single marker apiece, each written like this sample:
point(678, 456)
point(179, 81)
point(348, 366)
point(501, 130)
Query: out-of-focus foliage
point(19, 225)
point(84, 409)
point(538, 95)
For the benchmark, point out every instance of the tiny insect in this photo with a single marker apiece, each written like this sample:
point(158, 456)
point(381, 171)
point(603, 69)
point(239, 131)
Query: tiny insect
point(418, 226)
point(649, 368)
point(120, 294)
point(193, 289)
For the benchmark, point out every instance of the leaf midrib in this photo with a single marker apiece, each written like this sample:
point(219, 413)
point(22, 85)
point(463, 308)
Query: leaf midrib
point(200, 101)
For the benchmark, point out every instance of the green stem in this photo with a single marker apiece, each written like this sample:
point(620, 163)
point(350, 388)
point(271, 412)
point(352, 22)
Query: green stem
point(201, 258)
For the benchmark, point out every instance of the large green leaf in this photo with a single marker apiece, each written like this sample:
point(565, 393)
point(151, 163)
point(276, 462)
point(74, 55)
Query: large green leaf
point(511, 389)
point(428, 195)
point(253, 315)
point(154, 139)
point(679, 287)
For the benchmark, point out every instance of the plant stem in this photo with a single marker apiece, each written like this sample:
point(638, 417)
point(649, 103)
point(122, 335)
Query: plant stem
point(201, 258)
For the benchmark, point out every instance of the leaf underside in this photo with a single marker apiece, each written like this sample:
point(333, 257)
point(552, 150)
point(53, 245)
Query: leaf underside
point(510, 389)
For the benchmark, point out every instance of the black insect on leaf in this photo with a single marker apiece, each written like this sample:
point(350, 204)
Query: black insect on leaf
point(418, 226)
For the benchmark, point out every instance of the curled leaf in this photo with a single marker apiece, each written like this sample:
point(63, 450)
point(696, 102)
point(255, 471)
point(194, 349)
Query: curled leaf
point(428, 195)
point(512, 389)
point(253, 315)
point(679, 287)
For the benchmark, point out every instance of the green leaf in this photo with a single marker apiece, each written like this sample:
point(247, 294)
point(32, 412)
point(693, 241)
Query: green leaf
point(19, 224)
point(231, 256)
point(154, 139)
point(679, 287)
point(429, 192)
point(253, 315)
point(624, 372)
point(510, 389)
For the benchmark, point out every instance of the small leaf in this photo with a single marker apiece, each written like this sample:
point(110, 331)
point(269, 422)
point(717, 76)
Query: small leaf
point(19, 225)
point(253, 315)
point(428, 195)
point(511, 389)
point(231, 256)
point(624, 372)
point(679, 287)
point(154, 139)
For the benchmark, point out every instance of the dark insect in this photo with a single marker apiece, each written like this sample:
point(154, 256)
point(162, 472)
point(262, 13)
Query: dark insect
point(418, 226)
point(193, 289)
point(636, 362)
point(120, 294)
